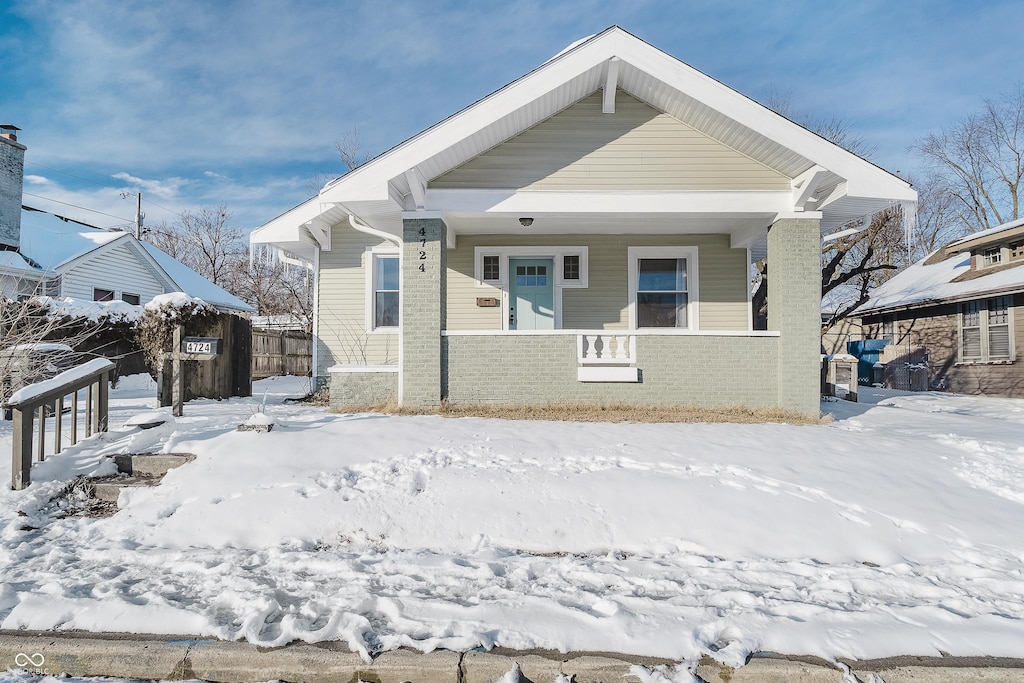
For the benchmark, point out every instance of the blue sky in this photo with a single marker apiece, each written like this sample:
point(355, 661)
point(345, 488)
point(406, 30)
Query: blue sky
point(198, 103)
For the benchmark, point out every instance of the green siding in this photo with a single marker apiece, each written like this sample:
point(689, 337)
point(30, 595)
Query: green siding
point(342, 338)
point(723, 281)
point(636, 148)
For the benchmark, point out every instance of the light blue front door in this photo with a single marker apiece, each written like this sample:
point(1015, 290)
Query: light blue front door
point(531, 301)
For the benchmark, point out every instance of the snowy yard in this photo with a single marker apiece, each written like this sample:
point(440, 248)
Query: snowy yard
point(896, 529)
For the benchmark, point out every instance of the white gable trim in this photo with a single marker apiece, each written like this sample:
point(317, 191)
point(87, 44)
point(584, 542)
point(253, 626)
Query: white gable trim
point(558, 83)
point(146, 260)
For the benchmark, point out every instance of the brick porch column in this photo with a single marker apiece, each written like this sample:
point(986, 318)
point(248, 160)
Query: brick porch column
point(424, 290)
point(794, 309)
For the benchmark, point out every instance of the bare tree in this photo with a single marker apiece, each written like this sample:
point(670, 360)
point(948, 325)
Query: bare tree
point(350, 149)
point(277, 289)
point(937, 220)
point(37, 342)
point(980, 161)
point(204, 242)
point(857, 262)
point(835, 129)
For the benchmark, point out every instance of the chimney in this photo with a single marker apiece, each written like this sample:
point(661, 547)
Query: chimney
point(12, 175)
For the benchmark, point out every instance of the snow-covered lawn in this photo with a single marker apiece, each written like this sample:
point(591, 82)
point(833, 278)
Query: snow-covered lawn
point(896, 529)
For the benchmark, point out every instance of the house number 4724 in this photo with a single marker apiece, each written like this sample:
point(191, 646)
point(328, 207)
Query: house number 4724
point(423, 252)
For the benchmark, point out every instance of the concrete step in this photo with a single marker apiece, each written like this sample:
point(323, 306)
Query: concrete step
point(151, 464)
point(108, 489)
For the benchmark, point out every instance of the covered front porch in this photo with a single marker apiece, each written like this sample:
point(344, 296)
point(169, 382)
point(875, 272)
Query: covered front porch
point(690, 343)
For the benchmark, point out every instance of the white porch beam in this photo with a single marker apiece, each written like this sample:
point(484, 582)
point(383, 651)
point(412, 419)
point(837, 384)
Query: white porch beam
point(805, 186)
point(610, 84)
point(526, 203)
point(418, 186)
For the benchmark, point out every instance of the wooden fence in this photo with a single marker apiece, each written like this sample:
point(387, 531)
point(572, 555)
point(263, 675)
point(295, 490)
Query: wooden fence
point(47, 398)
point(285, 352)
point(225, 376)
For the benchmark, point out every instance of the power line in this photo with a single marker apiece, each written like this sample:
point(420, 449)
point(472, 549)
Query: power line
point(83, 208)
point(70, 175)
point(96, 183)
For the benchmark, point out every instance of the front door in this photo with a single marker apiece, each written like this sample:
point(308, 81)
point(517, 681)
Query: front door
point(531, 294)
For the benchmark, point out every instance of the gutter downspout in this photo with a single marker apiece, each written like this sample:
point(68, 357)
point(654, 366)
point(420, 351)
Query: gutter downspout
point(362, 227)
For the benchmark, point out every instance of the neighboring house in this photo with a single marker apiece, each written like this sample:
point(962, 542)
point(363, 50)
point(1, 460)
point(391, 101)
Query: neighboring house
point(584, 234)
point(44, 254)
point(961, 312)
point(834, 337)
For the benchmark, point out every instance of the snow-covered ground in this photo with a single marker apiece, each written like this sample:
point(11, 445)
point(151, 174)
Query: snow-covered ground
point(896, 529)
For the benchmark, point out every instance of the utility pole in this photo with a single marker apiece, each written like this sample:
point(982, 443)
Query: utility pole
point(138, 216)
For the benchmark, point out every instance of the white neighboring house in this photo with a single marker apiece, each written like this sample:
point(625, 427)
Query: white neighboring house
point(41, 253)
point(70, 260)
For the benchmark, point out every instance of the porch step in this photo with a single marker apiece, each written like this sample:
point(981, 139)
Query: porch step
point(137, 470)
point(150, 464)
point(109, 489)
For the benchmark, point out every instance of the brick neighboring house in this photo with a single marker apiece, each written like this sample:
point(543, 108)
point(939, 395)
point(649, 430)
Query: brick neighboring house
point(583, 234)
point(960, 313)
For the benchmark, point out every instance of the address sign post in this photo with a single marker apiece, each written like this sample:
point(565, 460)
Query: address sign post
point(188, 348)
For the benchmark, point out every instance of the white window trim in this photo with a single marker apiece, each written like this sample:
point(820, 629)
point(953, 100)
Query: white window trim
point(370, 270)
point(634, 254)
point(505, 253)
point(984, 358)
point(556, 254)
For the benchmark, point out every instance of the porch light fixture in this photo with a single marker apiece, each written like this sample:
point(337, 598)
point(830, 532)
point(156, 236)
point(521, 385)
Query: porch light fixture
point(526, 221)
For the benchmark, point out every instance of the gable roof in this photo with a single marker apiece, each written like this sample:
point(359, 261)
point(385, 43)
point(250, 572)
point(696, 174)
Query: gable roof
point(934, 280)
point(52, 242)
point(380, 190)
point(192, 283)
point(57, 245)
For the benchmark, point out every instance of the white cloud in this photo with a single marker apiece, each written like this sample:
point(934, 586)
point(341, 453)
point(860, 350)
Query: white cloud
point(38, 180)
point(165, 189)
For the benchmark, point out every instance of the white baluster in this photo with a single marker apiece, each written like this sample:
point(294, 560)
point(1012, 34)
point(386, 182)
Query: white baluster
point(591, 352)
point(622, 348)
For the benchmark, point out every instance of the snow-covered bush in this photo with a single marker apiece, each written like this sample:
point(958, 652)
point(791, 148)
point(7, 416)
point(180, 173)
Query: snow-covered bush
point(41, 336)
point(164, 313)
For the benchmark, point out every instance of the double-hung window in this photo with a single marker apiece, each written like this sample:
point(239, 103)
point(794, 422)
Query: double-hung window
point(986, 333)
point(386, 280)
point(663, 287)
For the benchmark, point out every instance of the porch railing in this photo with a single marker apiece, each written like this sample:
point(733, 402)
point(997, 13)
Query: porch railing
point(605, 349)
point(38, 401)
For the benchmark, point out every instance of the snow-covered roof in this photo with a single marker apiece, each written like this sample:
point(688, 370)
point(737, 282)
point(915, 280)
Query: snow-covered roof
point(14, 262)
point(52, 242)
point(932, 281)
point(195, 285)
point(56, 244)
point(986, 233)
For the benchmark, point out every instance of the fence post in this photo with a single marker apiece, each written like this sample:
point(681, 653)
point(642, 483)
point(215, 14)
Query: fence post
point(21, 452)
point(103, 399)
